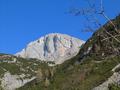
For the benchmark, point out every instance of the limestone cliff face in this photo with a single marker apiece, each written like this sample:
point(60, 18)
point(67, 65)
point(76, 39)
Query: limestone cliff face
point(11, 82)
point(52, 47)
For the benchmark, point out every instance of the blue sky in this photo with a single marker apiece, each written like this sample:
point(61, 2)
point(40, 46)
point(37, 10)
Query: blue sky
point(22, 21)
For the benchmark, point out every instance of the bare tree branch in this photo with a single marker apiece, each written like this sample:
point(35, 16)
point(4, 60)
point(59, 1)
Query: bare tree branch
point(102, 12)
point(106, 30)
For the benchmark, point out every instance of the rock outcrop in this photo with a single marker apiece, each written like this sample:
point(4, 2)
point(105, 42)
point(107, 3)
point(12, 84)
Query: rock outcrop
point(114, 79)
point(11, 82)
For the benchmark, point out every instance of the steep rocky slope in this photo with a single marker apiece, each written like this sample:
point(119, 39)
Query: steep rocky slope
point(102, 44)
point(52, 47)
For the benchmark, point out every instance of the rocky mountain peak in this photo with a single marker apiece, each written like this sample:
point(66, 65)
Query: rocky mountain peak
point(52, 47)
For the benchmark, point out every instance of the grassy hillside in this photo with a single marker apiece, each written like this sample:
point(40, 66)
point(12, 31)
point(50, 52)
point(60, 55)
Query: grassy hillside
point(101, 44)
point(18, 66)
point(84, 76)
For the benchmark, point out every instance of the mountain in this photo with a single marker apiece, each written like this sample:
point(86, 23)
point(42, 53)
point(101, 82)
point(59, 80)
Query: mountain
point(52, 47)
point(95, 67)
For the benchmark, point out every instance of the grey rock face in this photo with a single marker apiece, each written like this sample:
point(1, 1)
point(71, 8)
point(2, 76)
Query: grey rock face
point(52, 47)
point(114, 79)
point(11, 82)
